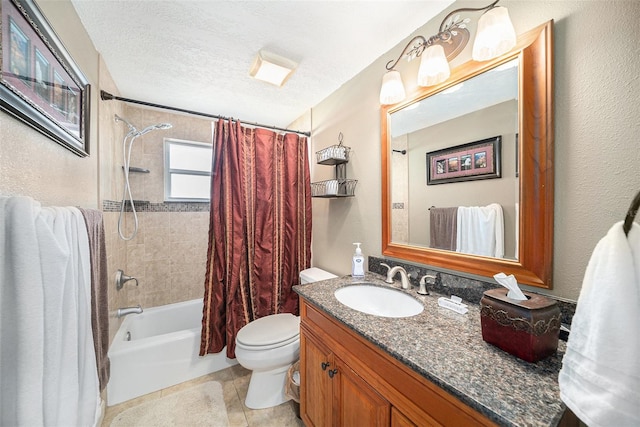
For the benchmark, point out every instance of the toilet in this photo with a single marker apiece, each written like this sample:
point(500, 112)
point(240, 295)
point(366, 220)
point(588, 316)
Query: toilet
point(269, 346)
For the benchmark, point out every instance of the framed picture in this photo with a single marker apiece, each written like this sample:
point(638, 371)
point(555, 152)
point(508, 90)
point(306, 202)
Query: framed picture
point(39, 82)
point(467, 162)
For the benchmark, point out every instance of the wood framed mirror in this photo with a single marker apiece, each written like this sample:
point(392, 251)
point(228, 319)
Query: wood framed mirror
point(527, 167)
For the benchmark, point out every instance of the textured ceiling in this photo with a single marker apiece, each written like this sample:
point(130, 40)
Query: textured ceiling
point(196, 55)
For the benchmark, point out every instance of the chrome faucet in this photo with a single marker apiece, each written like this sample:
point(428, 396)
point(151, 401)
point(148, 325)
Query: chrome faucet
point(129, 310)
point(122, 278)
point(391, 272)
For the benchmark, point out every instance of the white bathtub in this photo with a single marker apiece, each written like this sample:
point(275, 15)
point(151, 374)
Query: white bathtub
point(163, 351)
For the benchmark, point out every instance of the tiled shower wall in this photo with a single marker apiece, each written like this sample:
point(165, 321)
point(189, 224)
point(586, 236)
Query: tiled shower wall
point(168, 254)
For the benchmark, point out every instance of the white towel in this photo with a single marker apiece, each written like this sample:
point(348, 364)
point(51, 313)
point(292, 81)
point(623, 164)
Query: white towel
point(481, 230)
point(48, 367)
point(600, 376)
point(21, 315)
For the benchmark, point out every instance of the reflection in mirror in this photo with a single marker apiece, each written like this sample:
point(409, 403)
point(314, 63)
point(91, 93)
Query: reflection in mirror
point(484, 140)
point(454, 205)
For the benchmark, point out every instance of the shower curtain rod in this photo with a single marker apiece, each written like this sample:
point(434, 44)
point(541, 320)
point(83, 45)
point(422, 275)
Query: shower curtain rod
point(106, 96)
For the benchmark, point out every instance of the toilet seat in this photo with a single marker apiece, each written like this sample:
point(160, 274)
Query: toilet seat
point(276, 330)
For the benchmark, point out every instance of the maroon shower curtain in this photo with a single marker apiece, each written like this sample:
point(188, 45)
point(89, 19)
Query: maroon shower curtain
point(259, 230)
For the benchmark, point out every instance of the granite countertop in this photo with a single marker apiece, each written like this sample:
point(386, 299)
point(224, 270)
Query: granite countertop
point(447, 349)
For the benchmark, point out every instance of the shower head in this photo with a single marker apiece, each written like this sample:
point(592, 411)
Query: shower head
point(135, 133)
point(154, 127)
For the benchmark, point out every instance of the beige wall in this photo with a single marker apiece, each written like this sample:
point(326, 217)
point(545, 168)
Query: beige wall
point(169, 254)
point(498, 119)
point(596, 150)
point(30, 163)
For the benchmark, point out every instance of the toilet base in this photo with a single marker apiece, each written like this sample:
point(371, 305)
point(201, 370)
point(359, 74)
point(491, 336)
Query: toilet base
point(266, 388)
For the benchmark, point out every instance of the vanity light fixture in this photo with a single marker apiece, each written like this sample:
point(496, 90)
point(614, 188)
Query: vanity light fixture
point(495, 36)
point(272, 68)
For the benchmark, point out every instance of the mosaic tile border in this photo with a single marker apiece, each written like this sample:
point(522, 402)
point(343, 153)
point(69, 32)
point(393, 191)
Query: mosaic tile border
point(144, 206)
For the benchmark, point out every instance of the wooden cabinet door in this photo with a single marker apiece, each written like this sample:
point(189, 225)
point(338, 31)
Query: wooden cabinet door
point(398, 419)
point(316, 398)
point(356, 403)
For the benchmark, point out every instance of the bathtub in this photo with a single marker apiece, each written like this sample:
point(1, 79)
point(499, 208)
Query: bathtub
point(162, 351)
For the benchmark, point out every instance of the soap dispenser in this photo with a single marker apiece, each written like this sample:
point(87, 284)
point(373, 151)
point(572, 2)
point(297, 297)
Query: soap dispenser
point(357, 266)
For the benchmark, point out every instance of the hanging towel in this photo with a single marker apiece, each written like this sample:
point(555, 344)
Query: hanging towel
point(99, 299)
point(443, 225)
point(47, 365)
point(481, 230)
point(21, 315)
point(600, 376)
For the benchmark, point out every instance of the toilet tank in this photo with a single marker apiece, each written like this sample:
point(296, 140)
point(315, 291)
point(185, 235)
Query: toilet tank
point(315, 274)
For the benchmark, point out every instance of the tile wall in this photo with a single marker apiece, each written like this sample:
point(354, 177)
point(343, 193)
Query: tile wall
point(168, 255)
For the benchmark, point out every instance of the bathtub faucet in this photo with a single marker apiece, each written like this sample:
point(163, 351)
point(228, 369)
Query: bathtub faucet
point(129, 310)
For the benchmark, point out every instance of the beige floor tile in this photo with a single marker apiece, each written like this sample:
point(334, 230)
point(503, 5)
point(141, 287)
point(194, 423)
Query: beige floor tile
point(235, 408)
point(234, 381)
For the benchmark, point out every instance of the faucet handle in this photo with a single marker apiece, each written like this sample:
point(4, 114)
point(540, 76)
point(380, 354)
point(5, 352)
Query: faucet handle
point(424, 278)
point(423, 284)
point(386, 265)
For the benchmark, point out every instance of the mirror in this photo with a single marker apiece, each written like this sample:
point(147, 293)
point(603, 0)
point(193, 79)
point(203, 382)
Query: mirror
point(458, 148)
point(478, 145)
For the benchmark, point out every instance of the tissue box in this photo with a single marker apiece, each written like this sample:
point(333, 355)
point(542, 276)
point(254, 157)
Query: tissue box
point(528, 329)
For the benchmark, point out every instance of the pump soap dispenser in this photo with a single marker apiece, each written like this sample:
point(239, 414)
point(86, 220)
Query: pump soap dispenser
point(357, 266)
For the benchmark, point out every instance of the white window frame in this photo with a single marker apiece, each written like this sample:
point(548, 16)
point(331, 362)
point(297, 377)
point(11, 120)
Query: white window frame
point(168, 171)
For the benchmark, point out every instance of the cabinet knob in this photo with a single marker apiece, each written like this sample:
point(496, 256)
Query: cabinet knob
point(325, 365)
point(332, 373)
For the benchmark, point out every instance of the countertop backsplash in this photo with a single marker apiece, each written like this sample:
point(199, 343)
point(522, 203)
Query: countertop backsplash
point(470, 290)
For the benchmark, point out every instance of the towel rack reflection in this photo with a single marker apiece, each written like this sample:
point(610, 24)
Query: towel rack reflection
point(631, 214)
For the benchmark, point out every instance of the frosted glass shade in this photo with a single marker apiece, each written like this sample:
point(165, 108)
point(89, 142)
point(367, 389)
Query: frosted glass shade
point(392, 90)
point(495, 35)
point(434, 67)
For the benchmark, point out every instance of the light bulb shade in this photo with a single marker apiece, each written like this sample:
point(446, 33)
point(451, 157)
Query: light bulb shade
point(392, 90)
point(495, 34)
point(434, 67)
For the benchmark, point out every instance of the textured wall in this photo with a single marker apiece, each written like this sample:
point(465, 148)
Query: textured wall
point(33, 165)
point(596, 149)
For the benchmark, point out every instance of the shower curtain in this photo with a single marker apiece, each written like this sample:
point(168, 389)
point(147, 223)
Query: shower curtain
point(259, 230)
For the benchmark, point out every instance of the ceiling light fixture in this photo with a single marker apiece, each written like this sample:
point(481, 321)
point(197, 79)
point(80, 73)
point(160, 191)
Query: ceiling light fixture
point(495, 36)
point(272, 68)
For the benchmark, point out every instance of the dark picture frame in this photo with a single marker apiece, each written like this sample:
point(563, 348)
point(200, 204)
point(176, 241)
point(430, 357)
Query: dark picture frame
point(40, 84)
point(467, 162)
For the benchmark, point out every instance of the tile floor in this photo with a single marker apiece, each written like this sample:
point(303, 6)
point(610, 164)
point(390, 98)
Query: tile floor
point(234, 381)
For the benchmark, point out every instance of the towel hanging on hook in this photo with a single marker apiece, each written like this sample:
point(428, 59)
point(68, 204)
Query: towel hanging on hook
point(631, 214)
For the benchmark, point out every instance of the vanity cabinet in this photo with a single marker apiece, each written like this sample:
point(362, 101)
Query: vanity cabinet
point(348, 381)
point(339, 395)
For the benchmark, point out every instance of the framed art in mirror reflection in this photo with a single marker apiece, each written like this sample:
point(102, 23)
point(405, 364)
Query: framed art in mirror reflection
point(467, 162)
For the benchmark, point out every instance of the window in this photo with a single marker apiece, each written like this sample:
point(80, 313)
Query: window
point(187, 170)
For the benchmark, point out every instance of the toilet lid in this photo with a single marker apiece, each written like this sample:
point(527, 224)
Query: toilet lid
point(269, 330)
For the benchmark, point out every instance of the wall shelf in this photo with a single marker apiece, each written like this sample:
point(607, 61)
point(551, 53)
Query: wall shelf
point(338, 156)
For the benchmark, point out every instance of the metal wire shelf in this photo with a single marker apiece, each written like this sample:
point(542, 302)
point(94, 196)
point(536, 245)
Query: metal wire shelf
point(334, 188)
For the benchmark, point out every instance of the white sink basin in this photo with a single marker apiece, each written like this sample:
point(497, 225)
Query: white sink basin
point(379, 301)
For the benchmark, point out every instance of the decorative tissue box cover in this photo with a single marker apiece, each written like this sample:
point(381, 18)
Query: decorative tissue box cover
point(527, 329)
